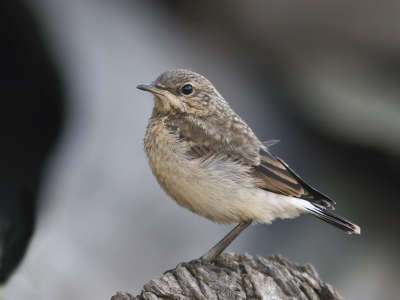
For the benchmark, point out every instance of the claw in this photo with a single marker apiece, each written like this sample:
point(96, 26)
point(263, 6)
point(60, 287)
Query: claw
point(190, 264)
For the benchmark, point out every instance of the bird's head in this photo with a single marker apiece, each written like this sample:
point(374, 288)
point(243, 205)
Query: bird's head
point(184, 92)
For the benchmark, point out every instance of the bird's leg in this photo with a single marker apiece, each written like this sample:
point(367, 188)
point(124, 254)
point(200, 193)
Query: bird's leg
point(218, 248)
point(225, 242)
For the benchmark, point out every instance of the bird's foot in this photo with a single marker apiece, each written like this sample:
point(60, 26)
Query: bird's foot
point(190, 264)
point(195, 263)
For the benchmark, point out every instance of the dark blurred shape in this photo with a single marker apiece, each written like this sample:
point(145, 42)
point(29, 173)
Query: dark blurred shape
point(17, 219)
point(30, 119)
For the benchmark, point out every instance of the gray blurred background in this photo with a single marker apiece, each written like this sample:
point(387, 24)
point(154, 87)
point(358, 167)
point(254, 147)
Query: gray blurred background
point(322, 77)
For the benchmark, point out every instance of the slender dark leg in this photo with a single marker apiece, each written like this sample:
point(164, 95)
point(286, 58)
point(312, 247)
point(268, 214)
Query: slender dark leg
point(218, 248)
point(225, 242)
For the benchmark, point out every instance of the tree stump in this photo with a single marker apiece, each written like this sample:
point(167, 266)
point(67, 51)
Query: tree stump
point(236, 277)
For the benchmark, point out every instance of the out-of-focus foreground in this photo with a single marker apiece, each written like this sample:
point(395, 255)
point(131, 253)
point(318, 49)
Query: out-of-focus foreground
point(321, 77)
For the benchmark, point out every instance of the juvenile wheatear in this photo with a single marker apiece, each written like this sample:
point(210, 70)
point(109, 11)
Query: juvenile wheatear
point(209, 161)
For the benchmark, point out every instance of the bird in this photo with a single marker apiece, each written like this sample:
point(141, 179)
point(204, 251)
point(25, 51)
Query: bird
point(210, 162)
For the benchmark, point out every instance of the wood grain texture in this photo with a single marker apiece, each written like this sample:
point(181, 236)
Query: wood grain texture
point(237, 277)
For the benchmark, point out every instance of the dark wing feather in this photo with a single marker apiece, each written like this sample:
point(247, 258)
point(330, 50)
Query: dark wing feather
point(277, 177)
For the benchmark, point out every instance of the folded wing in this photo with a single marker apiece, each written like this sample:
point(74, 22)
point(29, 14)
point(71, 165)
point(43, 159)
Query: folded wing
point(205, 140)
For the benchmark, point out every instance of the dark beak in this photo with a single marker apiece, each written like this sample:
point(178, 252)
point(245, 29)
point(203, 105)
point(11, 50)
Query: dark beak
point(150, 88)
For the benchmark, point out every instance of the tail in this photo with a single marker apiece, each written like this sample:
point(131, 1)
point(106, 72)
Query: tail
point(327, 216)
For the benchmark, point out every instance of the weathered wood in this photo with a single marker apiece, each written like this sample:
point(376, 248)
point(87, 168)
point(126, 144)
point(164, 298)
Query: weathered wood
point(237, 277)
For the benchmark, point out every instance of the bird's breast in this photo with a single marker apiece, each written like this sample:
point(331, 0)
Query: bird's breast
point(205, 188)
point(167, 159)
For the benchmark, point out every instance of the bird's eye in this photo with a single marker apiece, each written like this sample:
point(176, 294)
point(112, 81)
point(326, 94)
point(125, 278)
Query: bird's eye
point(187, 89)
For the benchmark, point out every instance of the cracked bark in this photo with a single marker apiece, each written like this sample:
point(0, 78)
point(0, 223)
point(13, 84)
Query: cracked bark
point(236, 277)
